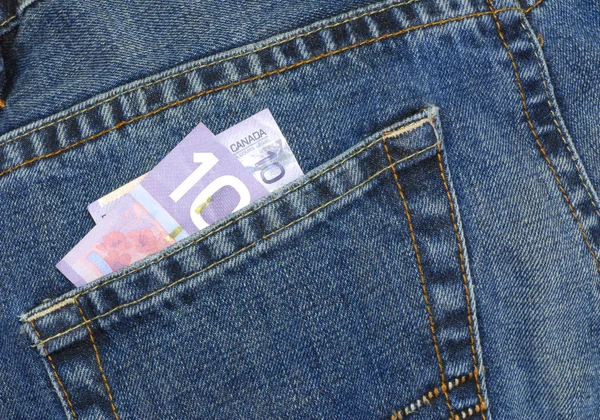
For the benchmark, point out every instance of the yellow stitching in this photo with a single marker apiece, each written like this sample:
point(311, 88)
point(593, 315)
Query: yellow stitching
point(428, 397)
point(251, 79)
point(422, 277)
point(201, 66)
point(535, 134)
point(7, 20)
point(464, 276)
point(407, 128)
point(196, 273)
point(62, 386)
point(110, 397)
point(554, 118)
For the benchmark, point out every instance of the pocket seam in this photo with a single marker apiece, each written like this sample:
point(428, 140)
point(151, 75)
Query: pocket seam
point(102, 373)
point(412, 126)
point(463, 270)
point(431, 395)
point(54, 371)
point(409, 128)
point(421, 275)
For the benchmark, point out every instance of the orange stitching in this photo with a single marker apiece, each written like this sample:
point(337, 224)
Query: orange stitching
point(213, 63)
point(62, 386)
point(554, 117)
point(251, 79)
point(535, 134)
point(529, 9)
point(216, 263)
point(241, 216)
point(412, 126)
point(428, 397)
point(86, 322)
point(464, 276)
point(422, 276)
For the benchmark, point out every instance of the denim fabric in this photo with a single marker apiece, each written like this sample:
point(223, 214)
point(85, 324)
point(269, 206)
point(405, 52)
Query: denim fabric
point(410, 274)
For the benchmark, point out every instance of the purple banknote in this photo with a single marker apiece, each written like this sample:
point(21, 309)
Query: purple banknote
point(256, 142)
point(198, 183)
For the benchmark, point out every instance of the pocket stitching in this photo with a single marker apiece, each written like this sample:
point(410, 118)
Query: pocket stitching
point(421, 275)
point(432, 395)
point(407, 128)
point(214, 264)
point(102, 373)
point(463, 270)
point(53, 366)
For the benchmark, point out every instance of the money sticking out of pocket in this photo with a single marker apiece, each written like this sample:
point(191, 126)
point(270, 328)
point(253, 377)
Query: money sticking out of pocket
point(201, 181)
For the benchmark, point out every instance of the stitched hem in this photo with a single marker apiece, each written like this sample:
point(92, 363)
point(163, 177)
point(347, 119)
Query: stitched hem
point(243, 215)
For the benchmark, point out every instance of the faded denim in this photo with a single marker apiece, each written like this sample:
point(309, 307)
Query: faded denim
point(438, 260)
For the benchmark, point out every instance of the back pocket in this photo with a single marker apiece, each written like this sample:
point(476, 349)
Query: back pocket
point(345, 294)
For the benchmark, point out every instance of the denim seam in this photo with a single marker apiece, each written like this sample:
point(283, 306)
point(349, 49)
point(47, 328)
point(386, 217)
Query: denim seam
point(54, 371)
point(555, 120)
point(274, 44)
point(428, 397)
point(464, 280)
point(247, 247)
point(536, 136)
point(102, 373)
point(404, 129)
point(422, 278)
point(248, 80)
point(213, 63)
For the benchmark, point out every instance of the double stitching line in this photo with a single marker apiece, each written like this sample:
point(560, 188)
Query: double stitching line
point(252, 244)
point(422, 277)
point(413, 125)
point(254, 78)
point(108, 391)
point(535, 134)
point(233, 57)
point(464, 280)
point(555, 119)
point(60, 383)
point(201, 66)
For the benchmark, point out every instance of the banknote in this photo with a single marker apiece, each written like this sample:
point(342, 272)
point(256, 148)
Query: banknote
point(101, 207)
point(256, 142)
point(198, 183)
point(260, 146)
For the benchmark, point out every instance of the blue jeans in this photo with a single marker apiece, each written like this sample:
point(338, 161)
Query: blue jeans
point(439, 259)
